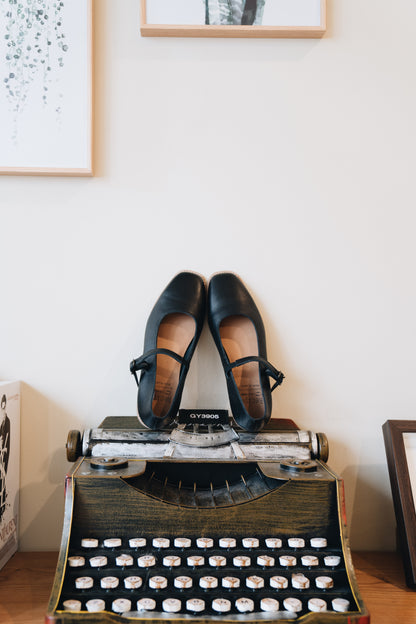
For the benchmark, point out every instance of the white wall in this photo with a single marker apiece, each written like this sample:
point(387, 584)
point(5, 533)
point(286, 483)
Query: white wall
point(288, 162)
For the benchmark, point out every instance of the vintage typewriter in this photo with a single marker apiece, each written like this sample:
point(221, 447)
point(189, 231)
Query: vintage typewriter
point(203, 522)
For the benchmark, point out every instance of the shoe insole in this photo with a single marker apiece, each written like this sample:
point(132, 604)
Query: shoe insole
point(239, 338)
point(176, 332)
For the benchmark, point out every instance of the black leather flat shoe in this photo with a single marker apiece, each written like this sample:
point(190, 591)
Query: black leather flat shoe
point(238, 332)
point(171, 335)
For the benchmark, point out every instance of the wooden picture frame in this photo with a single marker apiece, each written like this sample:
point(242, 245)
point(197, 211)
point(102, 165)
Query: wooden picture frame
point(401, 486)
point(294, 19)
point(46, 94)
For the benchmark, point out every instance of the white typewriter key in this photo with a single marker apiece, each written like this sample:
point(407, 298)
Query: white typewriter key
point(324, 582)
point(76, 562)
point(109, 582)
point(292, 604)
point(146, 604)
point(113, 542)
point(269, 604)
point(265, 560)
point(250, 542)
point(231, 582)
point(171, 561)
point(316, 604)
point(158, 582)
point(244, 605)
point(319, 542)
point(124, 560)
point(205, 542)
point(279, 582)
point(182, 542)
point(89, 542)
point(182, 582)
point(227, 542)
point(133, 582)
point(255, 582)
point(299, 581)
point(241, 561)
point(332, 561)
point(121, 605)
point(309, 561)
point(217, 561)
point(273, 542)
point(340, 604)
point(72, 605)
point(221, 605)
point(296, 542)
point(208, 582)
point(287, 561)
point(171, 605)
point(137, 542)
point(84, 582)
point(196, 605)
point(98, 562)
point(195, 560)
point(161, 542)
point(146, 561)
point(95, 605)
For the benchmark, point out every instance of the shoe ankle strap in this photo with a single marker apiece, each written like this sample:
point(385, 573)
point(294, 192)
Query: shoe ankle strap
point(268, 368)
point(142, 362)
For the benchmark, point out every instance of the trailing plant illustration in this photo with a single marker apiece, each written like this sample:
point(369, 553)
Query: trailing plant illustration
point(234, 12)
point(35, 46)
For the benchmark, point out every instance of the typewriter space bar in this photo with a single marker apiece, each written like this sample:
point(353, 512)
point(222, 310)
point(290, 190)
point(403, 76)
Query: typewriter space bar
point(233, 617)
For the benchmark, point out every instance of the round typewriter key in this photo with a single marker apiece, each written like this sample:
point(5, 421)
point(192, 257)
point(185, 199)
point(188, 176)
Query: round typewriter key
point(296, 542)
point(76, 562)
point(269, 604)
point(137, 542)
point(332, 561)
point(89, 542)
point(309, 561)
point(196, 605)
point(133, 582)
point(250, 542)
point(208, 582)
point(72, 605)
point(195, 560)
point(255, 582)
point(182, 582)
point(244, 605)
point(121, 605)
point(124, 560)
point(98, 562)
point(158, 582)
point(171, 561)
point(279, 582)
point(161, 542)
point(217, 561)
point(230, 582)
point(324, 582)
point(241, 561)
point(227, 542)
point(182, 542)
point(113, 542)
point(319, 542)
point(221, 605)
point(84, 582)
point(109, 582)
point(316, 604)
point(287, 561)
point(300, 581)
point(205, 542)
point(95, 605)
point(146, 561)
point(146, 604)
point(273, 542)
point(171, 605)
point(340, 604)
point(265, 561)
point(292, 604)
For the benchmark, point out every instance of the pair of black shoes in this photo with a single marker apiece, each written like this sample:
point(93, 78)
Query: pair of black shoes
point(171, 336)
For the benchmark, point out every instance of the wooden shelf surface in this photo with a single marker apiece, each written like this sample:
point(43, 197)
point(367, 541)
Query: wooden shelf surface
point(26, 581)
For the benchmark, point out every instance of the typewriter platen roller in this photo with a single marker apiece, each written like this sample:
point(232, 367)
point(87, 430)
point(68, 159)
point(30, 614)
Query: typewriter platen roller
point(203, 522)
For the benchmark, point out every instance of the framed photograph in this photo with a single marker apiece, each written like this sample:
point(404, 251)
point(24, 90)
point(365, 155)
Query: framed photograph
point(400, 443)
point(233, 18)
point(46, 87)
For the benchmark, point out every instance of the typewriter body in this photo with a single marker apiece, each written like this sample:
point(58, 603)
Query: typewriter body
point(203, 523)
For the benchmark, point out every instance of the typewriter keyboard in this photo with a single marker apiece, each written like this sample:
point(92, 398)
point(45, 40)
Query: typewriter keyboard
point(205, 576)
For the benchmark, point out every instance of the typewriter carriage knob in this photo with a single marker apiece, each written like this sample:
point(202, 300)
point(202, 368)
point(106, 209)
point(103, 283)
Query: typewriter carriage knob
point(73, 445)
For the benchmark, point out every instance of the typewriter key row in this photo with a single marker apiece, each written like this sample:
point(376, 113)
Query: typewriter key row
point(205, 542)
